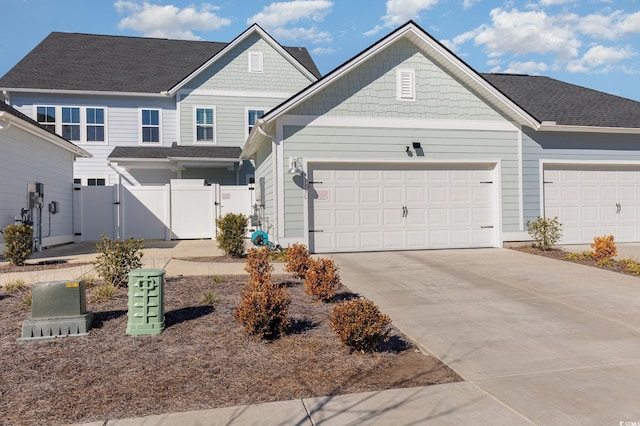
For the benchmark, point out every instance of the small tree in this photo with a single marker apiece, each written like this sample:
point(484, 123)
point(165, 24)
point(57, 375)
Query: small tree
point(117, 258)
point(545, 232)
point(18, 242)
point(233, 228)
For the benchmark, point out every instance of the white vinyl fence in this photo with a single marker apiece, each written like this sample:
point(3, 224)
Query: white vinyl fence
point(183, 209)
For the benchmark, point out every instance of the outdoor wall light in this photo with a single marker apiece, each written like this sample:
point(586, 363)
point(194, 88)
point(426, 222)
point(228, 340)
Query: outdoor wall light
point(294, 167)
point(416, 145)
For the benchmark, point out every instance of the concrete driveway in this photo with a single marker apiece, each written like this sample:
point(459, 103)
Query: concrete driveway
point(556, 342)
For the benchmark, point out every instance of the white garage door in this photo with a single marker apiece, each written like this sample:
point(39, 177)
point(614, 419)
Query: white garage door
point(591, 202)
point(367, 208)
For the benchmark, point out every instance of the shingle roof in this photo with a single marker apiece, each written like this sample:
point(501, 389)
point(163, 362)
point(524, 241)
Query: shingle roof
point(9, 109)
point(72, 61)
point(176, 151)
point(547, 99)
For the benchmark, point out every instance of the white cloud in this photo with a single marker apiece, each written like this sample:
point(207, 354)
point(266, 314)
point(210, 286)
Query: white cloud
point(323, 50)
point(282, 19)
point(528, 67)
point(529, 32)
point(400, 11)
point(466, 4)
point(169, 21)
point(555, 2)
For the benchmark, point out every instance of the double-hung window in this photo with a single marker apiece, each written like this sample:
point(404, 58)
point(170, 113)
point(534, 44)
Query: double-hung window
point(150, 119)
point(71, 123)
point(95, 124)
point(205, 128)
point(77, 124)
point(46, 117)
point(253, 115)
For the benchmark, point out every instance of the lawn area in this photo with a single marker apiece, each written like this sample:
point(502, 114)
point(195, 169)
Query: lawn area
point(202, 360)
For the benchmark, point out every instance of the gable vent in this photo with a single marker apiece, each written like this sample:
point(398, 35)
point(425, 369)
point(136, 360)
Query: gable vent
point(255, 62)
point(406, 85)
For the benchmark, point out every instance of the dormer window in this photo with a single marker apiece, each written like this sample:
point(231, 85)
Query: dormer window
point(255, 62)
point(406, 85)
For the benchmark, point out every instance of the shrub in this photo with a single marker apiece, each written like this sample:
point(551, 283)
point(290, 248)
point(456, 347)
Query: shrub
point(263, 310)
point(631, 266)
point(298, 259)
point(257, 264)
point(360, 324)
point(604, 248)
point(545, 232)
point(117, 258)
point(103, 292)
point(15, 285)
point(28, 299)
point(217, 279)
point(585, 255)
point(18, 242)
point(322, 279)
point(209, 298)
point(233, 228)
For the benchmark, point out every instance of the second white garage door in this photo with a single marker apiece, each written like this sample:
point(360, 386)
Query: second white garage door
point(593, 201)
point(369, 207)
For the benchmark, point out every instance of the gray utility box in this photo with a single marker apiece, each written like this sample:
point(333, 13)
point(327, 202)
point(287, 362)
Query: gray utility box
point(58, 309)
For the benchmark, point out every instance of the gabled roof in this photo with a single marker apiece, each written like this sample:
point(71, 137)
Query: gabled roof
point(174, 151)
point(295, 55)
point(566, 104)
point(102, 63)
point(11, 116)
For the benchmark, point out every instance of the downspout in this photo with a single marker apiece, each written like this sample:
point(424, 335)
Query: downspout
point(276, 231)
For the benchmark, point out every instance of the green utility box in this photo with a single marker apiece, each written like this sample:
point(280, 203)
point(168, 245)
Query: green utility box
point(58, 309)
point(146, 302)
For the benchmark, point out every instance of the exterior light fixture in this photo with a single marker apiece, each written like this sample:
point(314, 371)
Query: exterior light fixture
point(416, 145)
point(294, 167)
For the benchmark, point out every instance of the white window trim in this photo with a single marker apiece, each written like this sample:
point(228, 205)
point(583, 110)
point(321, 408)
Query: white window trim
point(84, 180)
point(83, 121)
point(252, 58)
point(159, 127)
point(246, 118)
point(195, 125)
point(401, 73)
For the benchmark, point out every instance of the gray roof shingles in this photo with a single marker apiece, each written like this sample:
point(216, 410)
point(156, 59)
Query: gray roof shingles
point(175, 151)
point(101, 63)
point(547, 99)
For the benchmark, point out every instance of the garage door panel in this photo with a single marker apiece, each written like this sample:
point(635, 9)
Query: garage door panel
point(369, 195)
point(606, 202)
point(396, 207)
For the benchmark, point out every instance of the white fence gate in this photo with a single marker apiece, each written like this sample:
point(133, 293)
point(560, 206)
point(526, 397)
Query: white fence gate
point(183, 209)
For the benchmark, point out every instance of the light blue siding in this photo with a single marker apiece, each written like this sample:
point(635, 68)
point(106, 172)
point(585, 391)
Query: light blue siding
point(230, 72)
point(122, 124)
point(361, 144)
point(264, 182)
point(370, 90)
point(563, 146)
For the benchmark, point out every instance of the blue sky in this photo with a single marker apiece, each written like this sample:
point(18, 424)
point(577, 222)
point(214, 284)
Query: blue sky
point(592, 43)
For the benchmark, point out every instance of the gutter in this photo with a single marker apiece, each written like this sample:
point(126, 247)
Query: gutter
point(551, 126)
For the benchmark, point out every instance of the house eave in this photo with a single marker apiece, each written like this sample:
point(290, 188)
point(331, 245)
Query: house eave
point(163, 94)
point(49, 137)
point(552, 127)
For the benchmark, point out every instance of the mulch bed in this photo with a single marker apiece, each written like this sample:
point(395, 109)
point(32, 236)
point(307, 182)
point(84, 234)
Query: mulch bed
point(556, 253)
point(34, 265)
point(202, 360)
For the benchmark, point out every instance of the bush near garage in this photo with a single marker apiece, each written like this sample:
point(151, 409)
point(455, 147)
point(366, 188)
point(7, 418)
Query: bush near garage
point(359, 324)
point(298, 260)
point(545, 232)
point(117, 258)
point(322, 279)
point(604, 248)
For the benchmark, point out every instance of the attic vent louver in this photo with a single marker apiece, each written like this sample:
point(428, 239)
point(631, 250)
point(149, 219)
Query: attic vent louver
point(406, 84)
